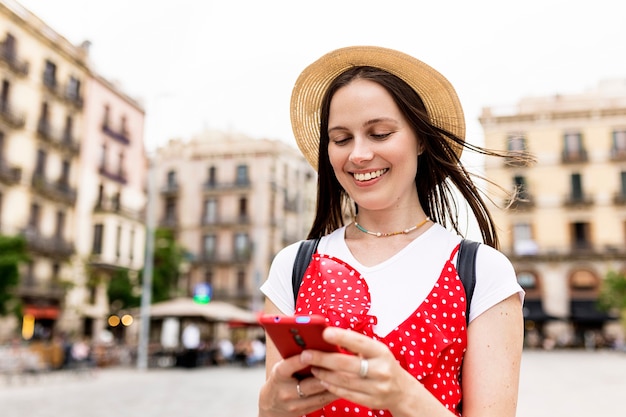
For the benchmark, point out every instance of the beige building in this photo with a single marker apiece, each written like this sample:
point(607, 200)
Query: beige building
point(71, 158)
point(233, 203)
point(567, 226)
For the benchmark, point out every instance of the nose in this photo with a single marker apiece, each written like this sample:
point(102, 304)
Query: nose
point(361, 151)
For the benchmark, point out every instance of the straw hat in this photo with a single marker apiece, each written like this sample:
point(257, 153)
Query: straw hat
point(436, 92)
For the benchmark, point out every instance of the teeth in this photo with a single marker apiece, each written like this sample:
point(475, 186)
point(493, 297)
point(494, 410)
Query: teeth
point(369, 175)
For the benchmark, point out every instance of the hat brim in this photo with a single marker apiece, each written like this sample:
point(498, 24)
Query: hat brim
point(437, 93)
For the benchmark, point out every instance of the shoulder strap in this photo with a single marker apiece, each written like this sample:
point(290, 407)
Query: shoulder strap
point(466, 268)
point(303, 258)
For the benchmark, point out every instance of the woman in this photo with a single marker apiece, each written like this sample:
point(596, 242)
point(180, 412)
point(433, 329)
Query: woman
point(386, 132)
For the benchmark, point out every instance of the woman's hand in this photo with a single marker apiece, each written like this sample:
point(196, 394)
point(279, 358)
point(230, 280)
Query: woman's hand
point(371, 377)
point(282, 395)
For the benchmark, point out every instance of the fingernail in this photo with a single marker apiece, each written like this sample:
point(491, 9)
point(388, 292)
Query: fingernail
point(305, 357)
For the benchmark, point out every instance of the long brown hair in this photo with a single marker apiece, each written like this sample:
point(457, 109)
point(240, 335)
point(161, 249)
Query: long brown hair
point(439, 167)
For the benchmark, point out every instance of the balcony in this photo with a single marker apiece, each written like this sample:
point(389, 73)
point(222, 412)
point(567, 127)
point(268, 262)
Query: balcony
point(113, 206)
point(62, 141)
point(119, 176)
point(578, 201)
point(171, 189)
point(236, 257)
point(30, 288)
point(169, 222)
point(9, 174)
point(59, 191)
point(570, 156)
point(12, 119)
point(218, 187)
point(226, 221)
point(8, 56)
point(65, 94)
point(53, 246)
point(121, 136)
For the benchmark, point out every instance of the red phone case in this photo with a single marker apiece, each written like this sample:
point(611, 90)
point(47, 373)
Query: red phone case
point(293, 334)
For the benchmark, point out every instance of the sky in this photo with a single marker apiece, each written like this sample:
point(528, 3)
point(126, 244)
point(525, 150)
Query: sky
point(231, 64)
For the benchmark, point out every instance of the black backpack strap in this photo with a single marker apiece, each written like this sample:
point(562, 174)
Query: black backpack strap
point(303, 258)
point(466, 268)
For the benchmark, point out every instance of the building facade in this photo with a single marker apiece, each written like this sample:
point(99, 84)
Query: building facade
point(53, 135)
point(233, 202)
point(565, 225)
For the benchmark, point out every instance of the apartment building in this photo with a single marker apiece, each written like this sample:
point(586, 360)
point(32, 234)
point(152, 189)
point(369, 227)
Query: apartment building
point(565, 228)
point(62, 130)
point(233, 203)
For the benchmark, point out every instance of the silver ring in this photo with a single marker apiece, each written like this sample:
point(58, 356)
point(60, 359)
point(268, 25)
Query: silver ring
point(364, 368)
point(300, 393)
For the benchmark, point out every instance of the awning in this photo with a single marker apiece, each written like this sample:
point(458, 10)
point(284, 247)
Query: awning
point(587, 312)
point(216, 311)
point(42, 312)
point(533, 311)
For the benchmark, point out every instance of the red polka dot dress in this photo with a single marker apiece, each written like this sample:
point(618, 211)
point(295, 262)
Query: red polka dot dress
point(429, 344)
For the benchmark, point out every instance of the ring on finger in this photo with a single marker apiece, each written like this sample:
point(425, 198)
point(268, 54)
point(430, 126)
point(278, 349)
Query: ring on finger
point(300, 393)
point(364, 368)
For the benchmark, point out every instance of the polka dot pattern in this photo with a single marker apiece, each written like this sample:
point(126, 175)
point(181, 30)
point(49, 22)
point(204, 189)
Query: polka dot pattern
point(429, 344)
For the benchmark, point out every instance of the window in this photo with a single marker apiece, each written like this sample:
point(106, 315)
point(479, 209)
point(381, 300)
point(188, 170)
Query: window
point(573, 150)
point(211, 180)
point(576, 187)
point(50, 74)
point(516, 142)
point(106, 117)
point(618, 149)
point(241, 245)
point(209, 245)
point(580, 236)
point(521, 188)
point(9, 47)
point(170, 210)
point(60, 225)
point(73, 89)
point(208, 277)
point(131, 245)
point(242, 175)
point(43, 126)
point(527, 280)
point(523, 243)
point(118, 241)
point(241, 281)
point(4, 101)
point(67, 131)
point(40, 165)
point(171, 179)
point(622, 188)
point(123, 127)
point(1, 146)
point(243, 207)
point(65, 173)
point(98, 231)
point(100, 199)
point(33, 217)
point(210, 211)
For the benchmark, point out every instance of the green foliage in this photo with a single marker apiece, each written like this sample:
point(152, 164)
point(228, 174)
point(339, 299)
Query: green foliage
point(13, 251)
point(168, 256)
point(122, 292)
point(613, 292)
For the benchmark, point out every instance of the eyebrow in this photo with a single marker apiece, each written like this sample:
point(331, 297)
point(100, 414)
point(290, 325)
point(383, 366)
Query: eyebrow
point(368, 123)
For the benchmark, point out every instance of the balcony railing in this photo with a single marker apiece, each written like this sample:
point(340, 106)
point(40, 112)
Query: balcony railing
point(7, 114)
point(120, 136)
point(235, 257)
point(63, 93)
point(119, 176)
point(572, 157)
point(618, 154)
point(226, 186)
point(578, 200)
point(170, 189)
point(114, 207)
point(31, 288)
point(227, 221)
point(17, 66)
point(54, 246)
point(9, 174)
point(522, 201)
point(55, 190)
point(60, 140)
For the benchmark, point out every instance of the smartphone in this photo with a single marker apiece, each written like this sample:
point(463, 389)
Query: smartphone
point(293, 334)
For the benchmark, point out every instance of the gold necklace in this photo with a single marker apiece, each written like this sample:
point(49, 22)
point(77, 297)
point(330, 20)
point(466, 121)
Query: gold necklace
point(381, 234)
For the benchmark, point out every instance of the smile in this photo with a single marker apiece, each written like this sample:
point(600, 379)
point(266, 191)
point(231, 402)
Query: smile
point(369, 175)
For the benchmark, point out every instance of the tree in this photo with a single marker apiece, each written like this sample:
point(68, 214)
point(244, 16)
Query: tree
point(122, 291)
point(168, 256)
point(613, 295)
point(13, 251)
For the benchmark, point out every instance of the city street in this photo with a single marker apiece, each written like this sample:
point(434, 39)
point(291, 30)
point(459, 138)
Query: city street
point(559, 383)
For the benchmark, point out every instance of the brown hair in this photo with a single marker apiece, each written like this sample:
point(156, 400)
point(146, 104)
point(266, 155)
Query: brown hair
point(438, 170)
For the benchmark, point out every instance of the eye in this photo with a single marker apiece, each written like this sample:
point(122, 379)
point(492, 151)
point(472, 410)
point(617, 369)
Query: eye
point(340, 141)
point(380, 136)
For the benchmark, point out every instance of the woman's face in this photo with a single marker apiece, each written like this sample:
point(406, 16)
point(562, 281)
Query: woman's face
point(372, 149)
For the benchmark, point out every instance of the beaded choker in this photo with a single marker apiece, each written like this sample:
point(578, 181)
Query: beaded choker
point(381, 234)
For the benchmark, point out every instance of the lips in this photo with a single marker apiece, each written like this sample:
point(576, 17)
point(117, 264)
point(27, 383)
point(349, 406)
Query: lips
point(366, 176)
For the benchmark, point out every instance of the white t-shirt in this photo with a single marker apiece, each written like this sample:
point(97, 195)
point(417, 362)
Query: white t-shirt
point(401, 283)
